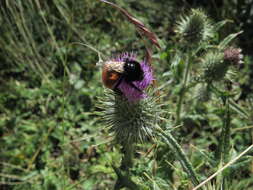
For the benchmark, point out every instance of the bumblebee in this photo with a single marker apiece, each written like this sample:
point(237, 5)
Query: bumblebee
point(114, 72)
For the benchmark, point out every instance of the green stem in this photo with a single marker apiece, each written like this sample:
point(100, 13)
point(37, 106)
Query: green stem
point(124, 180)
point(225, 135)
point(184, 161)
point(224, 143)
point(123, 173)
point(227, 131)
point(182, 91)
point(127, 160)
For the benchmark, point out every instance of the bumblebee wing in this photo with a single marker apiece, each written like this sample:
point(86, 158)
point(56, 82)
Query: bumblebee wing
point(110, 77)
point(117, 66)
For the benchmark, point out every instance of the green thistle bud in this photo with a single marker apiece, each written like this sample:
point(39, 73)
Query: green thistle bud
point(130, 122)
point(194, 28)
point(215, 68)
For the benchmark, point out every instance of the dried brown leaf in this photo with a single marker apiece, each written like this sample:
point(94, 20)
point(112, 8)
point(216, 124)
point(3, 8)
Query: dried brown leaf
point(139, 25)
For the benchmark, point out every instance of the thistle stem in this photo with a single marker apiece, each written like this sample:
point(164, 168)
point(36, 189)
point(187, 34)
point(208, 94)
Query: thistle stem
point(227, 128)
point(223, 149)
point(123, 173)
point(225, 135)
point(127, 160)
point(182, 91)
point(184, 161)
point(124, 181)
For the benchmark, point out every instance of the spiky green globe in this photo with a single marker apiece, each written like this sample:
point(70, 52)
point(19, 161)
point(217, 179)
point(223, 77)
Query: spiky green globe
point(194, 28)
point(130, 122)
point(215, 68)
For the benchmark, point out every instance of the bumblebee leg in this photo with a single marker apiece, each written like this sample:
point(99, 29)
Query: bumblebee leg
point(135, 87)
point(117, 91)
point(115, 88)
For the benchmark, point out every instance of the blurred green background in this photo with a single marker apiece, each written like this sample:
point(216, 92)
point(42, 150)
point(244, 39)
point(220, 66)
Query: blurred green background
point(50, 135)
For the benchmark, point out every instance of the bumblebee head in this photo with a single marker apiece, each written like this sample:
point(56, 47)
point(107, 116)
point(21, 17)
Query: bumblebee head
point(133, 70)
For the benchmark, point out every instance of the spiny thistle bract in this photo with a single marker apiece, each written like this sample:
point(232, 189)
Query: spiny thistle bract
point(130, 122)
point(215, 68)
point(194, 28)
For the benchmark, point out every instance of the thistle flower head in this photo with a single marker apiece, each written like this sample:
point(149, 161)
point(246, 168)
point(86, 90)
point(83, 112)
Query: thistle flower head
point(216, 64)
point(131, 93)
point(194, 28)
point(233, 55)
point(130, 122)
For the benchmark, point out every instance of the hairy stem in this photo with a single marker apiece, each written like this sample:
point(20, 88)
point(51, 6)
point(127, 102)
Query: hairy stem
point(124, 180)
point(182, 91)
point(123, 173)
point(127, 160)
point(184, 161)
point(225, 135)
point(224, 143)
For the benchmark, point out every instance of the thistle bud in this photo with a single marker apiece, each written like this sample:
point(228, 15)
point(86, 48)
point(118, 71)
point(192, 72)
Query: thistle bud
point(233, 56)
point(215, 68)
point(194, 28)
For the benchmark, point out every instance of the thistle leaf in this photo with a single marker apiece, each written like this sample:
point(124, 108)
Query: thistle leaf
point(218, 25)
point(238, 109)
point(228, 39)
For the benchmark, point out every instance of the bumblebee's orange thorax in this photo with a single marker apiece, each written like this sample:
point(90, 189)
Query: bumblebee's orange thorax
point(111, 73)
point(109, 77)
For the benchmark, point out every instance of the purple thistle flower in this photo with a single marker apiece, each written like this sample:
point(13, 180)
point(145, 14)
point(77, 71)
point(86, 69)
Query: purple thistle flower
point(128, 91)
point(233, 55)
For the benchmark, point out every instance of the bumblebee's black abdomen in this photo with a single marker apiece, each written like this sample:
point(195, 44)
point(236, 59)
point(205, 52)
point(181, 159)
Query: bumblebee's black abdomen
point(133, 71)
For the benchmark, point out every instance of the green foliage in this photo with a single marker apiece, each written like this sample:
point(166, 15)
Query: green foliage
point(51, 134)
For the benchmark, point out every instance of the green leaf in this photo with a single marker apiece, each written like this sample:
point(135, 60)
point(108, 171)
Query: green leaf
point(101, 169)
point(155, 186)
point(228, 39)
point(218, 25)
point(79, 84)
point(238, 109)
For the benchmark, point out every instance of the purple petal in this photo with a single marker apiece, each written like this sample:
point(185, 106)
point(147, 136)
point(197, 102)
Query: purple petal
point(131, 93)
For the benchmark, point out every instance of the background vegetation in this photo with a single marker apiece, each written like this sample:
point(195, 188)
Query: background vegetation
point(50, 135)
